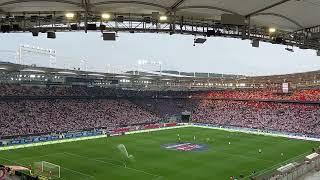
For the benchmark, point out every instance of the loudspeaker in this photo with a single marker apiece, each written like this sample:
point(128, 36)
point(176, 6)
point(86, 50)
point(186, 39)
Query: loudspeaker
point(255, 43)
point(109, 36)
point(200, 40)
point(92, 27)
point(51, 34)
point(74, 27)
point(35, 32)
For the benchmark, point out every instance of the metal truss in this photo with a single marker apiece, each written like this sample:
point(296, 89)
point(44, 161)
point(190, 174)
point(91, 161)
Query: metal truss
point(141, 23)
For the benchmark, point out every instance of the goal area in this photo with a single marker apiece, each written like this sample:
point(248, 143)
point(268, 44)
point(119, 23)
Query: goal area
point(47, 170)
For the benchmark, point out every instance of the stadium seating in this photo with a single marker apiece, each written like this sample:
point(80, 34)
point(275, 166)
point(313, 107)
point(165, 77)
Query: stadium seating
point(248, 94)
point(46, 116)
point(283, 117)
point(262, 94)
point(57, 109)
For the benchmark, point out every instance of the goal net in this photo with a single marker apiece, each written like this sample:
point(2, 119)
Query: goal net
point(47, 169)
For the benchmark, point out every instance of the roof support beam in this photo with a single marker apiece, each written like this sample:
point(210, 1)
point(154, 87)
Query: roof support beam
point(306, 28)
point(23, 1)
point(268, 7)
point(85, 4)
point(281, 16)
point(206, 7)
point(131, 2)
point(177, 4)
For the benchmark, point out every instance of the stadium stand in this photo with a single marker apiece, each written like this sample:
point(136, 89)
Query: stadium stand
point(59, 109)
point(283, 117)
point(265, 94)
point(25, 117)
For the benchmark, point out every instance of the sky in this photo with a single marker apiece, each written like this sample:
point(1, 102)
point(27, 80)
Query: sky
point(176, 52)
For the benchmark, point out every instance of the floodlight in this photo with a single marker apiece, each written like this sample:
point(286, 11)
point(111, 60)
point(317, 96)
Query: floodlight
point(272, 30)
point(105, 16)
point(69, 15)
point(163, 18)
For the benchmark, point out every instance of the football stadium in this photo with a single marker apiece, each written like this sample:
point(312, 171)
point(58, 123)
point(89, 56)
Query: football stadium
point(61, 117)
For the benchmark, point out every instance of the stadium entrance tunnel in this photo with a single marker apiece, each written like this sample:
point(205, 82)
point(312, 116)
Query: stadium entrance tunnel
point(186, 147)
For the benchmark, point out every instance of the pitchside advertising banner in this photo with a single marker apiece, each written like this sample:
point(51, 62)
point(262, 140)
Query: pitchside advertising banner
point(70, 135)
point(51, 137)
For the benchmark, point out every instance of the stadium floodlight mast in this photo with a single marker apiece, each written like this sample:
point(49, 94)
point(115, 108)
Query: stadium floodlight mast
point(52, 54)
point(153, 63)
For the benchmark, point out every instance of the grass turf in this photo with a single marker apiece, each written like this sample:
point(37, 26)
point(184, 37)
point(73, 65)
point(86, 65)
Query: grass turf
point(100, 159)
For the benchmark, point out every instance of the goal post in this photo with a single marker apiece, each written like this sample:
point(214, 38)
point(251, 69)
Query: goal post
point(47, 169)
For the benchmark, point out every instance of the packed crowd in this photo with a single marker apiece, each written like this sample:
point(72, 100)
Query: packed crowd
point(19, 90)
point(284, 117)
point(21, 117)
point(7, 90)
point(265, 94)
point(27, 116)
point(249, 94)
point(45, 116)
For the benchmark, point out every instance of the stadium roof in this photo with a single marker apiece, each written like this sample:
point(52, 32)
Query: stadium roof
point(286, 22)
point(283, 14)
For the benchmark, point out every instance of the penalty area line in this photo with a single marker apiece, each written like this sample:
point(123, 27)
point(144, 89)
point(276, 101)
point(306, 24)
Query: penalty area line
point(106, 162)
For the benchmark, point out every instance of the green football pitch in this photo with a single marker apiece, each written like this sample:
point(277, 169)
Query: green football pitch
point(101, 159)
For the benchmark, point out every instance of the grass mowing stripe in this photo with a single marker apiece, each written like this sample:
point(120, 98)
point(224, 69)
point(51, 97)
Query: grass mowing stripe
point(106, 162)
point(246, 157)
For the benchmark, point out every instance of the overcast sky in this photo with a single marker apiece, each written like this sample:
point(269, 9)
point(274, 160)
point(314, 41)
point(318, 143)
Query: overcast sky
point(219, 55)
